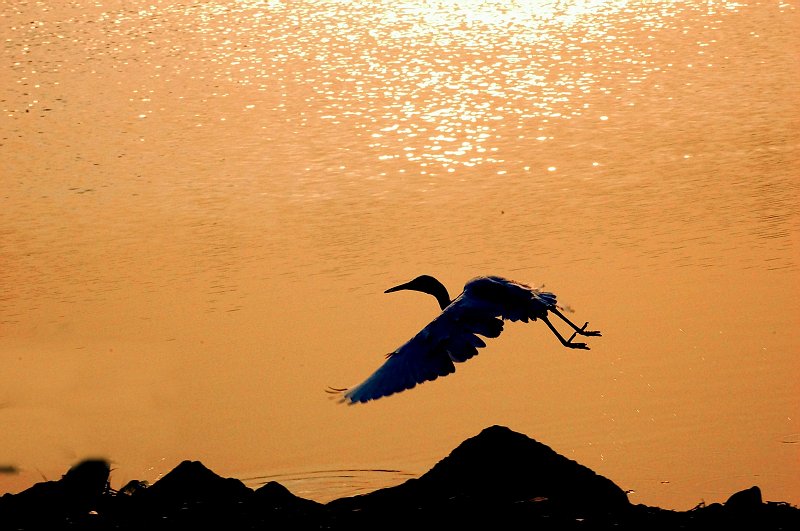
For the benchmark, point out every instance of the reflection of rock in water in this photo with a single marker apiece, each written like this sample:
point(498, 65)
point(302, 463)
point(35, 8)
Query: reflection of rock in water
point(499, 476)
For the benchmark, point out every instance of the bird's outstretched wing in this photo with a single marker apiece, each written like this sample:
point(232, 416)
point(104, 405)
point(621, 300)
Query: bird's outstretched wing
point(452, 337)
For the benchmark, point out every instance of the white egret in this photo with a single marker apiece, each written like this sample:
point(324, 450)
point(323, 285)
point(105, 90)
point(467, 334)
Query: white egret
point(453, 335)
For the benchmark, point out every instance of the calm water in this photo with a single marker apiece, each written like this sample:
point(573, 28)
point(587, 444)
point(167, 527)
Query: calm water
point(203, 203)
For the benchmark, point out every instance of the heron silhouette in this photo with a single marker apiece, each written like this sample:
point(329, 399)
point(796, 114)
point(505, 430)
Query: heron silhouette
point(452, 337)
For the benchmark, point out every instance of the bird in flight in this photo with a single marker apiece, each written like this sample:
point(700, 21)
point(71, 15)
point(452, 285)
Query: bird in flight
point(452, 337)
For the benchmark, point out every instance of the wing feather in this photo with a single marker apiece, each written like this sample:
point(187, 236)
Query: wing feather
point(409, 365)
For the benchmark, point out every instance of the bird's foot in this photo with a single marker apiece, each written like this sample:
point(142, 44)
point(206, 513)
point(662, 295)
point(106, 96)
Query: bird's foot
point(582, 346)
point(582, 331)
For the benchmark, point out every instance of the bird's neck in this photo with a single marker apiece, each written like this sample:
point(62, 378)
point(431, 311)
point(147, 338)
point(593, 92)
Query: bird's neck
point(440, 292)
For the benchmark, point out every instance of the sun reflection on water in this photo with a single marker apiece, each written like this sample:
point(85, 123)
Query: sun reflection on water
point(432, 83)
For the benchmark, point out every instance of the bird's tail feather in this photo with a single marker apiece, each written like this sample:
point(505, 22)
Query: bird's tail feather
point(540, 303)
point(549, 299)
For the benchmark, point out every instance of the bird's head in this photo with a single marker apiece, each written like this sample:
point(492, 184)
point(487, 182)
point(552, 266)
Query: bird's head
point(426, 284)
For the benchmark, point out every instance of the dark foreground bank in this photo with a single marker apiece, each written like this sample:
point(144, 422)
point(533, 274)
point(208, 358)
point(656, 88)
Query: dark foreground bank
point(499, 478)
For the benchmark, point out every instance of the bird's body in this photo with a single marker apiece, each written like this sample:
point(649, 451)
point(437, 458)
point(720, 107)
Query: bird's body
point(452, 337)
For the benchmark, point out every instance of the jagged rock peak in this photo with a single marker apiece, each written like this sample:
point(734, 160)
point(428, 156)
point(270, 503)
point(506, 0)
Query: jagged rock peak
point(499, 462)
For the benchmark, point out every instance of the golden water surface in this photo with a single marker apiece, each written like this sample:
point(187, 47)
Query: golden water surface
point(203, 202)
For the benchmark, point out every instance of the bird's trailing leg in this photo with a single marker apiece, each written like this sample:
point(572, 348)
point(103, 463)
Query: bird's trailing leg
point(566, 342)
point(582, 330)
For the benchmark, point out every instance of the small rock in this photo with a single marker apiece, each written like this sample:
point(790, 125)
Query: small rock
point(745, 500)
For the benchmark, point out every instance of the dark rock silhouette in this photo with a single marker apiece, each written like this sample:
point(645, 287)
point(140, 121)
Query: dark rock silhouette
point(52, 504)
point(275, 506)
point(188, 496)
point(745, 501)
point(498, 472)
point(498, 478)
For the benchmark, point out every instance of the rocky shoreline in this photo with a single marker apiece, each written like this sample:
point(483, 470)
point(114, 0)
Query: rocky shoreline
point(498, 478)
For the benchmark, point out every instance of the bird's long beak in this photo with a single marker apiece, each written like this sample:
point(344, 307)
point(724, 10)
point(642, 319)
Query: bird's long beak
point(398, 288)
